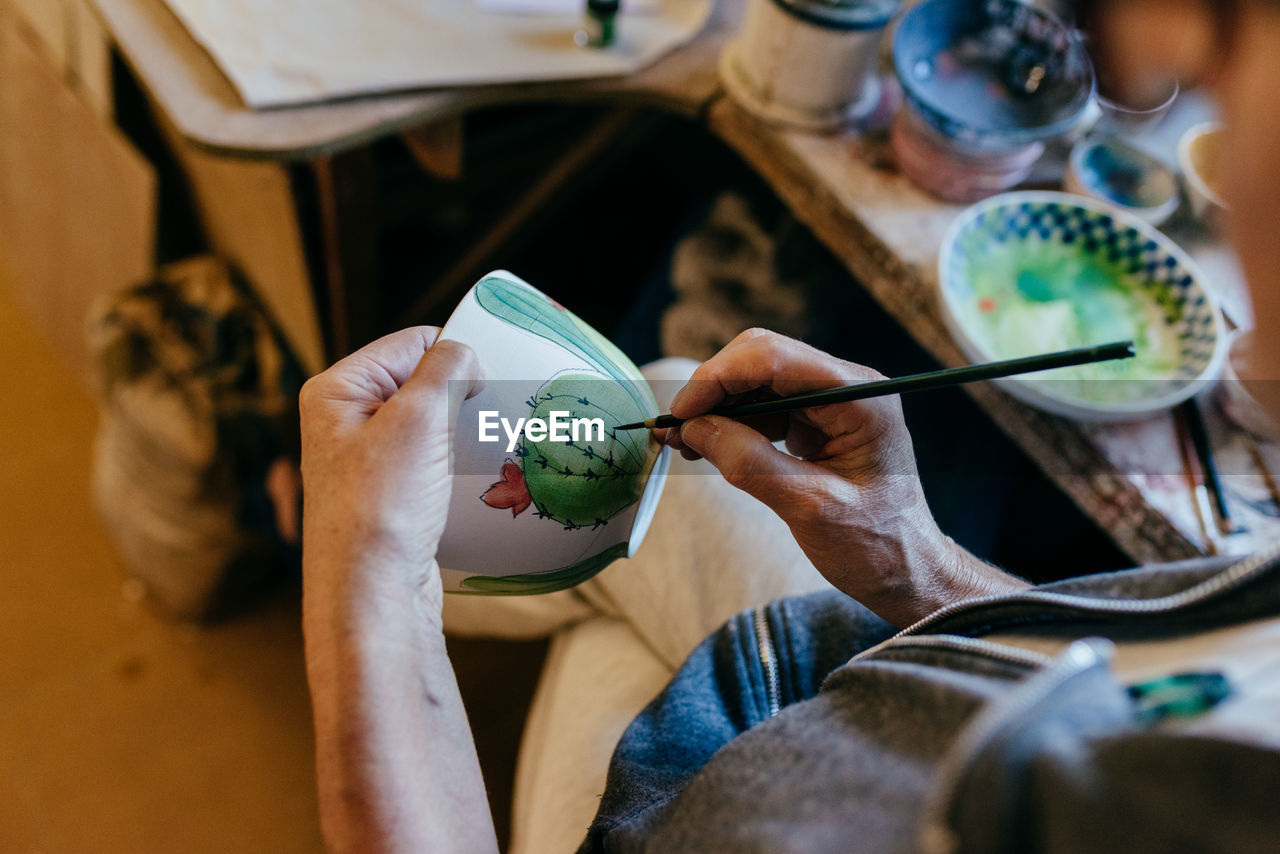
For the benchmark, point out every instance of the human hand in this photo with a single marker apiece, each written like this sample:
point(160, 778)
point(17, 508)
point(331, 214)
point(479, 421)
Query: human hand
point(377, 429)
point(848, 490)
point(395, 763)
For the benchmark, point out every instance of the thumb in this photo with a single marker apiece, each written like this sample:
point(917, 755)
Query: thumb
point(447, 374)
point(745, 458)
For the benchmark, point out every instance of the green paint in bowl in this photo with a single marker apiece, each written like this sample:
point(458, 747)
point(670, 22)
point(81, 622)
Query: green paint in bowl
point(1030, 273)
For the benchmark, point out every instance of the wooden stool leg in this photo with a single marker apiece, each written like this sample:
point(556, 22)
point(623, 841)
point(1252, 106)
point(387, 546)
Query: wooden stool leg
point(347, 251)
point(437, 148)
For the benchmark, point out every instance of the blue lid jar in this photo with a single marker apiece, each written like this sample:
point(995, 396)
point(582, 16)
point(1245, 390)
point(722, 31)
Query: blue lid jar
point(966, 67)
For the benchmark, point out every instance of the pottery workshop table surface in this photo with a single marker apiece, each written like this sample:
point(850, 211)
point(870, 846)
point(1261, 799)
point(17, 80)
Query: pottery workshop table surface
point(1127, 478)
point(205, 109)
point(246, 165)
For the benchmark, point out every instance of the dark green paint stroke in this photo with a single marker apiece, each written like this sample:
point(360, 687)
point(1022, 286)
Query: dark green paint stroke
point(533, 312)
point(543, 582)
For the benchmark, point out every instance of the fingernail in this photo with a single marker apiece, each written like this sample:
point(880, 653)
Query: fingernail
point(700, 434)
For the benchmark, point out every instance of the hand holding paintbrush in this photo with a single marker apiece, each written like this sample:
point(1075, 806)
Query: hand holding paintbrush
point(902, 385)
point(848, 487)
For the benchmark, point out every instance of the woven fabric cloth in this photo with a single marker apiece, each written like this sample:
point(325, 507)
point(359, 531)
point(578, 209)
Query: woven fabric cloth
point(199, 400)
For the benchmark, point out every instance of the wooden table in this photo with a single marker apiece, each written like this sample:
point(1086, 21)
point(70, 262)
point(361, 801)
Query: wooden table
point(883, 229)
point(205, 109)
point(889, 233)
point(245, 163)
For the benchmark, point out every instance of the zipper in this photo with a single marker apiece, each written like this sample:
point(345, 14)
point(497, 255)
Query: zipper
point(960, 643)
point(1234, 576)
point(768, 660)
point(936, 836)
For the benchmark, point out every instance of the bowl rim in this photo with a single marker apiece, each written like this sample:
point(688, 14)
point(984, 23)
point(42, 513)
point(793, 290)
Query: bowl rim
point(1190, 173)
point(1114, 106)
point(1073, 407)
point(1151, 213)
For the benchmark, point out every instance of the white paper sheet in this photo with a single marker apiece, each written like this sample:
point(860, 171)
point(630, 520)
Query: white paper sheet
point(282, 52)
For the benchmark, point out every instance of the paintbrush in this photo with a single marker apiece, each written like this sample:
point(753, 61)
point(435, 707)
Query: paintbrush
point(1195, 481)
point(914, 382)
point(1208, 468)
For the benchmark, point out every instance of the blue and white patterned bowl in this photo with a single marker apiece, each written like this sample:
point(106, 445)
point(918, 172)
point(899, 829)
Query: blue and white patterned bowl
point(1034, 272)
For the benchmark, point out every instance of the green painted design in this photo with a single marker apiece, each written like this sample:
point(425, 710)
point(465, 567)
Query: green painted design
point(1038, 296)
point(586, 482)
point(625, 369)
point(543, 582)
point(527, 309)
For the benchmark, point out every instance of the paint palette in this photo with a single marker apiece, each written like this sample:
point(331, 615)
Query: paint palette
point(1034, 272)
point(545, 493)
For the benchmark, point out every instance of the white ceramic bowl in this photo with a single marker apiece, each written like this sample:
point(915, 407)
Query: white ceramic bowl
point(532, 513)
point(1035, 272)
point(1199, 152)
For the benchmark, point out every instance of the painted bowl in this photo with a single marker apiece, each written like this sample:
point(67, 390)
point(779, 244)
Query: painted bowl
point(545, 493)
point(1113, 171)
point(992, 74)
point(1200, 159)
point(1036, 272)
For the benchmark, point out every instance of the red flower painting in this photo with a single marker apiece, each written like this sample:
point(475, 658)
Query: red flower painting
point(510, 492)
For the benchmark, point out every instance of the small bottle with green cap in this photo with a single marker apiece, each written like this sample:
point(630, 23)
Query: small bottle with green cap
point(599, 24)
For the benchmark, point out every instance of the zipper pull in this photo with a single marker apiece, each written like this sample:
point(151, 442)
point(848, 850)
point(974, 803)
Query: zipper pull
point(1180, 695)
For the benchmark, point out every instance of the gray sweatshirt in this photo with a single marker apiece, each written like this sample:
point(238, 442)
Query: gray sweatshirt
point(994, 725)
